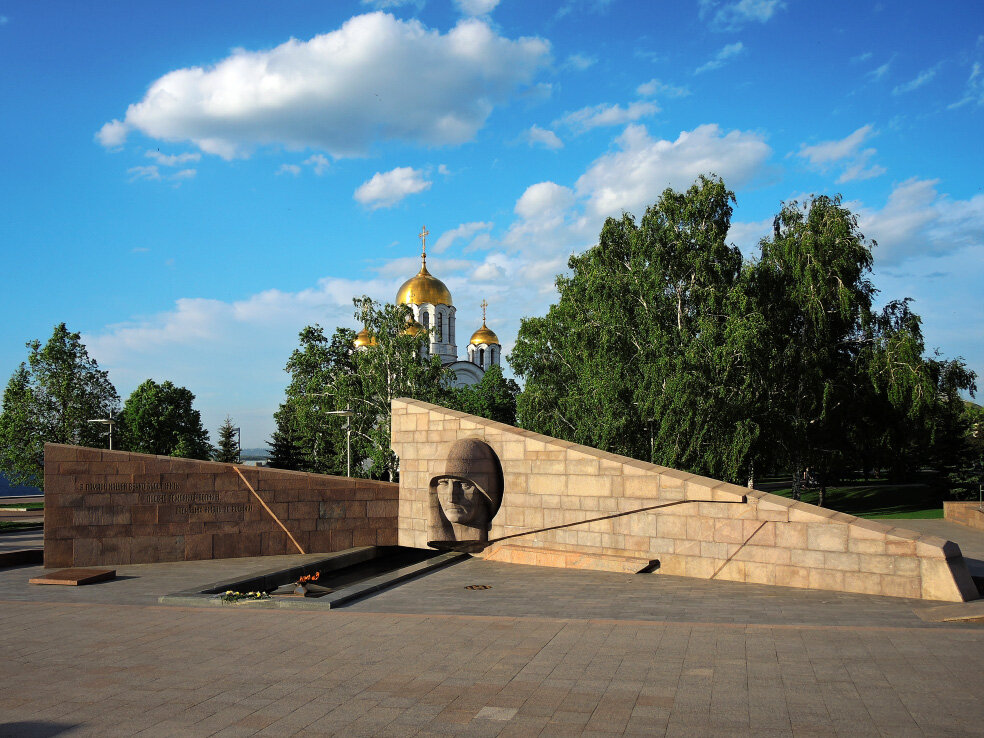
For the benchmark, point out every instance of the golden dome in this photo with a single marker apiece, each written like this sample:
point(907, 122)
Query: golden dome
point(423, 288)
point(413, 328)
point(363, 339)
point(483, 335)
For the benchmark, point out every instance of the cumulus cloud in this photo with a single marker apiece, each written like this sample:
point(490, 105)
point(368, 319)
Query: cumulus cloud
point(730, 16)
point(917, 221)
point(846, 152)
point(747, 234)
point(386, 189)
point(923, 78)
point(655, 87)
point(606, 115)
point(642, 167)
point(536, 136)
point(721, 58)
point(462, 233)
point(375, 78)
point(476, 7)
point(112, 134)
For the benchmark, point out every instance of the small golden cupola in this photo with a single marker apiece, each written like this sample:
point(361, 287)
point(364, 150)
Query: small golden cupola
point(363, 339)
point(484, 347)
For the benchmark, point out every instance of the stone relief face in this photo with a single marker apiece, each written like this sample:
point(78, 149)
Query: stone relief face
point(462, 500)
point(469, 492)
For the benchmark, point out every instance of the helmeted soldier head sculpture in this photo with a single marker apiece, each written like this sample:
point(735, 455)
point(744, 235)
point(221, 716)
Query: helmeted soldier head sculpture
point(468, 494)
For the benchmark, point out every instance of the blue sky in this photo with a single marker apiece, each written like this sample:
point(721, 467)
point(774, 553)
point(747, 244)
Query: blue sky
point(189, 184)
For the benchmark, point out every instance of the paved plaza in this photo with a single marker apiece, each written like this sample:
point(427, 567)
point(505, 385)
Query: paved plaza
point(541, 652)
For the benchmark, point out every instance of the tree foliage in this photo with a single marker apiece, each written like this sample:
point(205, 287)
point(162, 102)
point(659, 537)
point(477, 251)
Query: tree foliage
point(666, 345)
point(51, 398)
point(160, 419)
point(227, 449)
point(330, 375)
point(648, 351)
point(494, 397)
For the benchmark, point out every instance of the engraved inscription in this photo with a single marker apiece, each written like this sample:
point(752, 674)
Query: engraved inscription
point(124, 486)
point(209, 509)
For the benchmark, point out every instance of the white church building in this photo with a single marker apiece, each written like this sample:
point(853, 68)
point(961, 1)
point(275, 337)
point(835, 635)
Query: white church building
point(434, 310)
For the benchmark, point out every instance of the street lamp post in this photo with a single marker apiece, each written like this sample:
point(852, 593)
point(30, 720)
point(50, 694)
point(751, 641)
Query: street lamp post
point(110, 421)
point(348, 437)
point(239, 445)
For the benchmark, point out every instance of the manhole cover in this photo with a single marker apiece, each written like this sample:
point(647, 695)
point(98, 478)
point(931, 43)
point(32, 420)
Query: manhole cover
point(479, 586)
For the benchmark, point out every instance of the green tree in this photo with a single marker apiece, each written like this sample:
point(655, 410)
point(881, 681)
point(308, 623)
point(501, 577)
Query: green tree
point(228, 447)
point(159, 419)
point(330, 375)
point(494, 397)
point(51, 398)
point(649, 352)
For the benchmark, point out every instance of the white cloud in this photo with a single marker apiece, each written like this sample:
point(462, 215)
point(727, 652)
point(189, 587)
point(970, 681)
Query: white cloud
point(476, 7)
point(923, 78)
point(721, 58)
point(112, 134)
point(150, 172)
point(319, 163)
point(463, 232)
point(386, 189)
point(730, 16)
point(633, 176)
point(340, 91)
point(173, 160)
point(606, 115)
point(917, 221)
point(289, 169)
point(655, 87)
point(846, 151)
point(863, 57)
point(544, 200)
point(580, 62)
point(879, 72)
point(746, 235)
point(184, 174)
point(974, 90)
point(536, 136)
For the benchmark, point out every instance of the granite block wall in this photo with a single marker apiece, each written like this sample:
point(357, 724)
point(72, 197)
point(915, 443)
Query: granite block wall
point(574, 506)
point(965, 513)
point(115, 507)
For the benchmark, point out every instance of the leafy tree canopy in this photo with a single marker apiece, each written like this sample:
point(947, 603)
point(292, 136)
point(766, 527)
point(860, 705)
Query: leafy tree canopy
point(494, 397)
point(159, 419)
point(51, 398)
point(329, 375)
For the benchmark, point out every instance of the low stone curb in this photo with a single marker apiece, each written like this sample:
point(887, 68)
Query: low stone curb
point(207, 596)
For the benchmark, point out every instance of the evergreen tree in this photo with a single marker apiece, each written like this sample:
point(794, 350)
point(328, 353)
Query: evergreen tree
point(159, 419)
point(51, 398)
point(228, 448)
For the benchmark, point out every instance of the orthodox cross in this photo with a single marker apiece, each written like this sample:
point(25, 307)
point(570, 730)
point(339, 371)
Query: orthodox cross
point(423, 240)
point(485, 304)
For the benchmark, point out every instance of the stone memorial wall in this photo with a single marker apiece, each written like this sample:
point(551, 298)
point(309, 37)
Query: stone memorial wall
point(116, 507)
point(573, 506)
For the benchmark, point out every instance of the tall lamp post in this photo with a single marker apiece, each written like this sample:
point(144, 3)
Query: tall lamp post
point(110, 421)
point(348, 437)
point(239, 445)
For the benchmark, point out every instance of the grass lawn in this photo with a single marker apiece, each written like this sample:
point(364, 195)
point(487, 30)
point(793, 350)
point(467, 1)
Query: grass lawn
point(876, 499)
point(24, 506)
point(8, 526)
